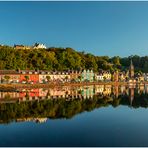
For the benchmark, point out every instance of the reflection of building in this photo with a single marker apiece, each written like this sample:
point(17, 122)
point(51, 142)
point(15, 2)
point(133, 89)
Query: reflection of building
point(116, 91)
point(87, 92)
point(70, 93)
point(107, 90)
point(9, 95)
point(123, 89)
point(44, 92)
point(40, 120)
point(99, 89)
point(29, 93)
point(141, 88)
point(131, 95)
point(37, 120)
point(59, 93)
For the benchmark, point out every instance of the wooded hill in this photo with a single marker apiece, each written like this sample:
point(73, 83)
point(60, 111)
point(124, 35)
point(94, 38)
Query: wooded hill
point(65, 59)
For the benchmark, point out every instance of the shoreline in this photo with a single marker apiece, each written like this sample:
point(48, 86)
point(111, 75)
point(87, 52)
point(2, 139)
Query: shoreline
point(53, 85)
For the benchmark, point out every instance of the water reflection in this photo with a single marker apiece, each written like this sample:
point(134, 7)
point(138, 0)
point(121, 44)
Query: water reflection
point(40, 104)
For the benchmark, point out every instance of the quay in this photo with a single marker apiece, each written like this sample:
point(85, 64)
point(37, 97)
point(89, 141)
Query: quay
point(12, 87)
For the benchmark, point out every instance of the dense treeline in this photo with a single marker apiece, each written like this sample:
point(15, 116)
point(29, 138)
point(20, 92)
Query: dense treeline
point(65, 59)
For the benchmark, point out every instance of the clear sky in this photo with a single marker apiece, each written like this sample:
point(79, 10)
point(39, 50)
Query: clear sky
point(101, 28)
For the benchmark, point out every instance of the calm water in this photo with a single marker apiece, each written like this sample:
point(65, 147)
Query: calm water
point(83, 116)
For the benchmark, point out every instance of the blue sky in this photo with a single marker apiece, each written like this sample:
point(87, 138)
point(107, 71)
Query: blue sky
point(101, 28)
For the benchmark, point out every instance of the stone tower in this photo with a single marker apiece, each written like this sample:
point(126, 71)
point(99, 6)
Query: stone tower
point(131, 70)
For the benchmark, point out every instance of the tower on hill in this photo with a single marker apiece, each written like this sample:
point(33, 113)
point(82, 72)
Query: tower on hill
point(131, 70)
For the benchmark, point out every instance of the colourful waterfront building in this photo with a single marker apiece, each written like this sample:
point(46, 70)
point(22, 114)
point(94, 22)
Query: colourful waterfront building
point(9, 76)
point(75, 75)
point(99, 76)
point(131, 70)
point(87, 75)
point(54, 76)
point(29, 76)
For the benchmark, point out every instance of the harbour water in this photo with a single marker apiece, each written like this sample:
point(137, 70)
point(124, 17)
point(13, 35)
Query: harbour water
point(100, 115)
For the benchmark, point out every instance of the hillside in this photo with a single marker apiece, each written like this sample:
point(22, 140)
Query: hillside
point(65, 59)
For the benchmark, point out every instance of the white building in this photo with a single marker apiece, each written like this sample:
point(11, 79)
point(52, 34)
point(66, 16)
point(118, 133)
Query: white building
point(107, 76)
point(39, 46)
point(99, 77)
point(145, 76)
point(54, 76)
point(103, 76)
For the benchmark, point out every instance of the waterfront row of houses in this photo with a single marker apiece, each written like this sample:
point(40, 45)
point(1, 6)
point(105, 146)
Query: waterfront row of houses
point(86, 75)
point(40, 76)
point(43, 76)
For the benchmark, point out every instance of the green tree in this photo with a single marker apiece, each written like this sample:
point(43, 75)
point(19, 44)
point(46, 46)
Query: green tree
point(66, 78)
point(7, 78)
point(26, 78)
point(48, 78)
point(80, 78)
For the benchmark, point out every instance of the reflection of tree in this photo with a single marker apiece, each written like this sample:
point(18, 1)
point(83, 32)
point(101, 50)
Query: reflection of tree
point(48, 93)
point(61, 108)
point(49, 108)
point(116, 102)
point(26, 78)
point(27, 95)
point(7, 97)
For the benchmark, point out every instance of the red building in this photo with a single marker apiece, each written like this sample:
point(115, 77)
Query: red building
point(29, 76)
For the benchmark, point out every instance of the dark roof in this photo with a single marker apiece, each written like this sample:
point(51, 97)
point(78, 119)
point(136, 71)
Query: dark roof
point(18, 45)
point(8, 72)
